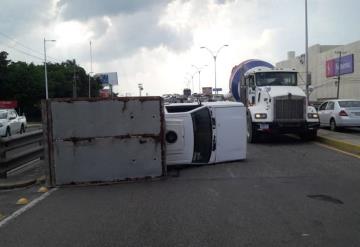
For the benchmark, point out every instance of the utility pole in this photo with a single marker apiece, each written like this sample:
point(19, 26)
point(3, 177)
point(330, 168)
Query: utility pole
point(91, 70)
point(46, 79)
point(306, 54)
point(74, 84)
point(339, 71)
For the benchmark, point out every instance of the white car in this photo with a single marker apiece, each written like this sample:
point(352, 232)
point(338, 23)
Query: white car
point(340, 113)
point(11, 122)
point(210, 132)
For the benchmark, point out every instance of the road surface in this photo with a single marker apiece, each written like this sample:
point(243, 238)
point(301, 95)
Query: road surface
point(287, 193)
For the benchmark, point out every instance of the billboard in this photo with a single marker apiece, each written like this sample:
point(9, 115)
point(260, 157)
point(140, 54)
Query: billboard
point(108, 78)
point(207, 90)
point(346, 66)
point(8, 104)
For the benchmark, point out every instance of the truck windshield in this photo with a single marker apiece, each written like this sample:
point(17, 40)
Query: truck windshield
point(276, 79)
point(3, 115)
point(202, 135)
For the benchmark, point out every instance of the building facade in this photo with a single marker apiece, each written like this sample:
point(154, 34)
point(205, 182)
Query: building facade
point(326, 62)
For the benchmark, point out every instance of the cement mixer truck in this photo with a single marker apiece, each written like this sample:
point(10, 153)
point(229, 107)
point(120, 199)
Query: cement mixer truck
point(275, 103)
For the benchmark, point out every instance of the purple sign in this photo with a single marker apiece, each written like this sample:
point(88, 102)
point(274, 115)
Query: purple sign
point(346, 66)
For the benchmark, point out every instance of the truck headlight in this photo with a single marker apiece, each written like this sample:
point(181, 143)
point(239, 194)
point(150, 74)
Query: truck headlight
point(260, 115)
point(171, 137)
point(313, 115)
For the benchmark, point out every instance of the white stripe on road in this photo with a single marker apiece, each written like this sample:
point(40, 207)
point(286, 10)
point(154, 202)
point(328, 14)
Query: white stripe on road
point(26, 207)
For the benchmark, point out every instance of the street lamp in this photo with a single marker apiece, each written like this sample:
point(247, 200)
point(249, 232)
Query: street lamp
point(140, 86)
point(91, 70)
point(192, 82)
point(198, 69)
point(306, 54)
point(339, 71)
point(46, 80)
point(214, 56)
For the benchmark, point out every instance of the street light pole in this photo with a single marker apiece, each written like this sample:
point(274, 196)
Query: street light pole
point(306, 54)
point(339, 71)
point(46, 79)
point(214, 55)
point(192, 83)
point(199, 71)
point(140, 86)
point(90, 70)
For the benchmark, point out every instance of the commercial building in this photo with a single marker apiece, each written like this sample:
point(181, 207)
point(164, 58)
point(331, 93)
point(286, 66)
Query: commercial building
point(324, 70)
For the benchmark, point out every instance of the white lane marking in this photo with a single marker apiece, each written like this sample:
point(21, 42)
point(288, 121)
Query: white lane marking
point(26, 207)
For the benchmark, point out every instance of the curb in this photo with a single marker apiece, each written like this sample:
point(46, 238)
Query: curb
point(344, 146)
point(21, 184)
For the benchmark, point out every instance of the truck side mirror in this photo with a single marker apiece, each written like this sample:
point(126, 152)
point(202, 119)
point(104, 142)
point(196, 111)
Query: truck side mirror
point(253, 87)
point(252, 100)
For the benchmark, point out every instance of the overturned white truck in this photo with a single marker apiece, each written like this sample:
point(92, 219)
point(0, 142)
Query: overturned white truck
point(275, 103)
point(205, 133)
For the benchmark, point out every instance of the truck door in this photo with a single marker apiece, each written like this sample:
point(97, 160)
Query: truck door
point(251, 90)
point(230, 133)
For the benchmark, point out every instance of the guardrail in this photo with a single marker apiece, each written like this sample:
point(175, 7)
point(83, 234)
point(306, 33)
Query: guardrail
point(25, 148)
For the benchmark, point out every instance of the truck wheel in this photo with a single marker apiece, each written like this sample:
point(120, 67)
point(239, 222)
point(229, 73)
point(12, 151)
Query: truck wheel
point(8, 132)
point(333, 125)
point(252, 134)
point(22, 129)
point(309, 135)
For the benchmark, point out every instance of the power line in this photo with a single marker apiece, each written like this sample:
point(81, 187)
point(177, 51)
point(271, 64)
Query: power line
point(24, 52)
point(19, 43)
point(26, 47)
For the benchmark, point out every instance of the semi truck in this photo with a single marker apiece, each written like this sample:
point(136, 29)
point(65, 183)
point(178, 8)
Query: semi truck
point(274, 101)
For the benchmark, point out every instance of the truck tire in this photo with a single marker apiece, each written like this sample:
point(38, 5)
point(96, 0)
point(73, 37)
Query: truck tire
point(252, 135)
point(8, 132)
point(309, 135)
point(22, 129)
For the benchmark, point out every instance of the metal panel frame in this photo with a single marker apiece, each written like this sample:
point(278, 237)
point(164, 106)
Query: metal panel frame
point(50, 141)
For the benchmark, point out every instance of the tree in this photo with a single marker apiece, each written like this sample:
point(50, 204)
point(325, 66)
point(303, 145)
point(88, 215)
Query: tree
point(25, 83)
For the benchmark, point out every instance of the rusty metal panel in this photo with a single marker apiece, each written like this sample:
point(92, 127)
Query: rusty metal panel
point(104, 140)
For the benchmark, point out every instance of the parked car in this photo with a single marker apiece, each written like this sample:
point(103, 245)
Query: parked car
point(11, 122)
point(205, 133)
point(340, 113)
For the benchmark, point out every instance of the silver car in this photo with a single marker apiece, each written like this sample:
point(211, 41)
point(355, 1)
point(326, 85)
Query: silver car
point(340, 113)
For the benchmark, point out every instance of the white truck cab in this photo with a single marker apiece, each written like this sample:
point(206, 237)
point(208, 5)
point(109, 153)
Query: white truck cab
point(204, 133)
point(276, 104)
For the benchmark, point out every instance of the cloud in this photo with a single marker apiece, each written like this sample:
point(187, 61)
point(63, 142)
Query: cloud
point(155, 42)
point(87, 9)
point(127, 25)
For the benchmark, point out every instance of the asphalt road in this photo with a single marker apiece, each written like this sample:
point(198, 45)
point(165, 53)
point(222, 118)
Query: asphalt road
point(287, 193)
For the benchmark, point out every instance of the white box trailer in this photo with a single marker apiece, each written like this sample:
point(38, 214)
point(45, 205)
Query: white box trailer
point(205, 133)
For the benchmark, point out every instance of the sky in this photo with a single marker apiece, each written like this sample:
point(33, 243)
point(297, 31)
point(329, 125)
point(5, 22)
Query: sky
point(157, 42)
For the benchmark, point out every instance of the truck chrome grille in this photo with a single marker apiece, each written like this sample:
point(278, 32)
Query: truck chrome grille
point(289, 109)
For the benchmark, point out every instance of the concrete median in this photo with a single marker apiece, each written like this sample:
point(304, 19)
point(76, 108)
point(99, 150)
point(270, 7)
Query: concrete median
point(348, 142)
